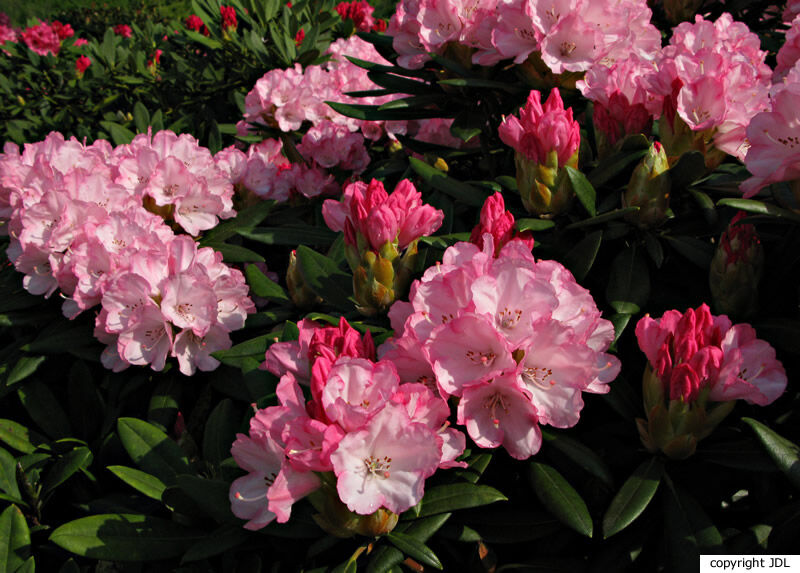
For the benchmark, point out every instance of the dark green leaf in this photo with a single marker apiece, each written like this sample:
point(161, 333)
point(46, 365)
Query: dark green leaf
point(447, 498)
point(698, 252)
point(784, 453)
point(560, 498)
point(580, 258)
point(629, 285)
point(689, 531)
point(399, 84)
point(439, 180)
point(142, 482)
point(291, 235)
point(163, 407)
point(220, 431)
point(373, 113)
point(582, 455)
point(8, 474)
point(387, 557)
point(414, 548)
point(690, 167)
point(19, 437)
point(481, 83)
point(236, 253)
point(29, 566)
point(754, 206)
point(141, 117)
point(24, 367)
point(444, 241)
point(413, 102)
point(604, 218)
point(124, 537)
point(44, 409)
point(633, 497)
point(654, 249)
point(583, 189)
point(66, 466)
point(244, 354)
point(15, 539)
point(614, 165)
point(371, 66)
point(219, 541)
point(211, 496)
point(534, 224)
point(467, 125)
point(152, 450)
point(86, 406)
point(620, 322)
point(201, 39)
point(61, 337)
point(324, 277)
point(120, 135)
point(245, 221)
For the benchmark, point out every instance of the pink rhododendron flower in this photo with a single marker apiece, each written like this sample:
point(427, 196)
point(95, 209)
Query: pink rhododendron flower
point(542, 130)
point(42, 39)
point(696, 352)
point(499, 223)
point(360, 12)
point(80, 42)
point(82, 64)
point(194, 22)
point(123, 30)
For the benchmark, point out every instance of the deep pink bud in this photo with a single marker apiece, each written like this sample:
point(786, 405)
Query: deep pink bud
point(499, 223)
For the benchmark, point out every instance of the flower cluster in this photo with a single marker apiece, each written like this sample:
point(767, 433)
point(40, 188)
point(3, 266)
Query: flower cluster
point(516, 340)
point(360, 12)
point(569, 35)
point(381, 232)
point(77, 220)
point(123, 30)
point(228, 15)
point(43, 38)
point(367, 438)
point(546, 139)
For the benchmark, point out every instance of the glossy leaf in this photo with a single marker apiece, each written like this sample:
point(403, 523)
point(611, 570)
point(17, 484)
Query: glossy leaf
point(141, 481)
point(784, 453)
point(582, 455)
point(373, 113)
point(633, 497)
point(387, 557)
point(583, 190)
point(439, 180)
point(263, 286)
point(629, 286)
point(760, 208)
point(218, 541)
point(152, 450)
point(236, 253)
point(533, 224)
point(447, 498)
point(8, 474)
point(124, 537)
point(65, 466)
point(695, 250)
point(689, 531)
point(44, 408)
point(580, 258)
point(246, 220)
point(603, 218)
point(164, 406)
point(220, 431)
point(414, 548)
point(324, 277)
point(24, 367)
point(19, 437)
point(291, 235)
point(560, 498)
point(15, 539)
point(211, 496)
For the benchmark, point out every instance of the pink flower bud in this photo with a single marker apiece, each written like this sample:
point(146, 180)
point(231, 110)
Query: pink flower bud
point(499, 223)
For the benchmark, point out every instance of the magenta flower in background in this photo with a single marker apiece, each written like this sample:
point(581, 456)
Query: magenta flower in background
point(228, 14)
point(80, 42)
point(82, 64)
point(42, 39)
point(123, 30)
point(360, 12)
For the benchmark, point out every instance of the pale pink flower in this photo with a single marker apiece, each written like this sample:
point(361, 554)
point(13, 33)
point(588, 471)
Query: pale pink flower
point(385, 464)
point(355, 389)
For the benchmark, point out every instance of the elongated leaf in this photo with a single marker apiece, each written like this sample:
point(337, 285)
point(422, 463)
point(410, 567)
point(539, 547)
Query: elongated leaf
point(447, 498)
point(613, 166)
point(690, 167)
point(8, 474)
point(629, 286)
point(220, 431)
point(66, 466)
point(695, 250)
point(481, 83)
point(124, 537)
point(201, 39)
point(246, 355)
point(86, 406)
point(560, 498)
point(448, 185)
point(583, 190)
point(263, 286)
point(120, 135)
point(164, 406)
point(324, 277)
point(236, 253)
point(44, 408)
point(689, 531)
point(61, 337)
point(291, 235)
point(413, 102)
point(784, 453)
point(580, 258)
point(142, 482)
point(387, 556)
point(633, 497)
point(534, 224)
point(373, 113)
point(211, 496)
point(603, 218)
point(371, 66)
point(245, 221)
point(25, 366)
point(414, 549)
point(19, 437)
point(141, 117)
point(152, 450)
point(219, 541)
point(466, 125)
point(15, 539)
point(755, 206)
point(580, 454)
point(399, 84)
